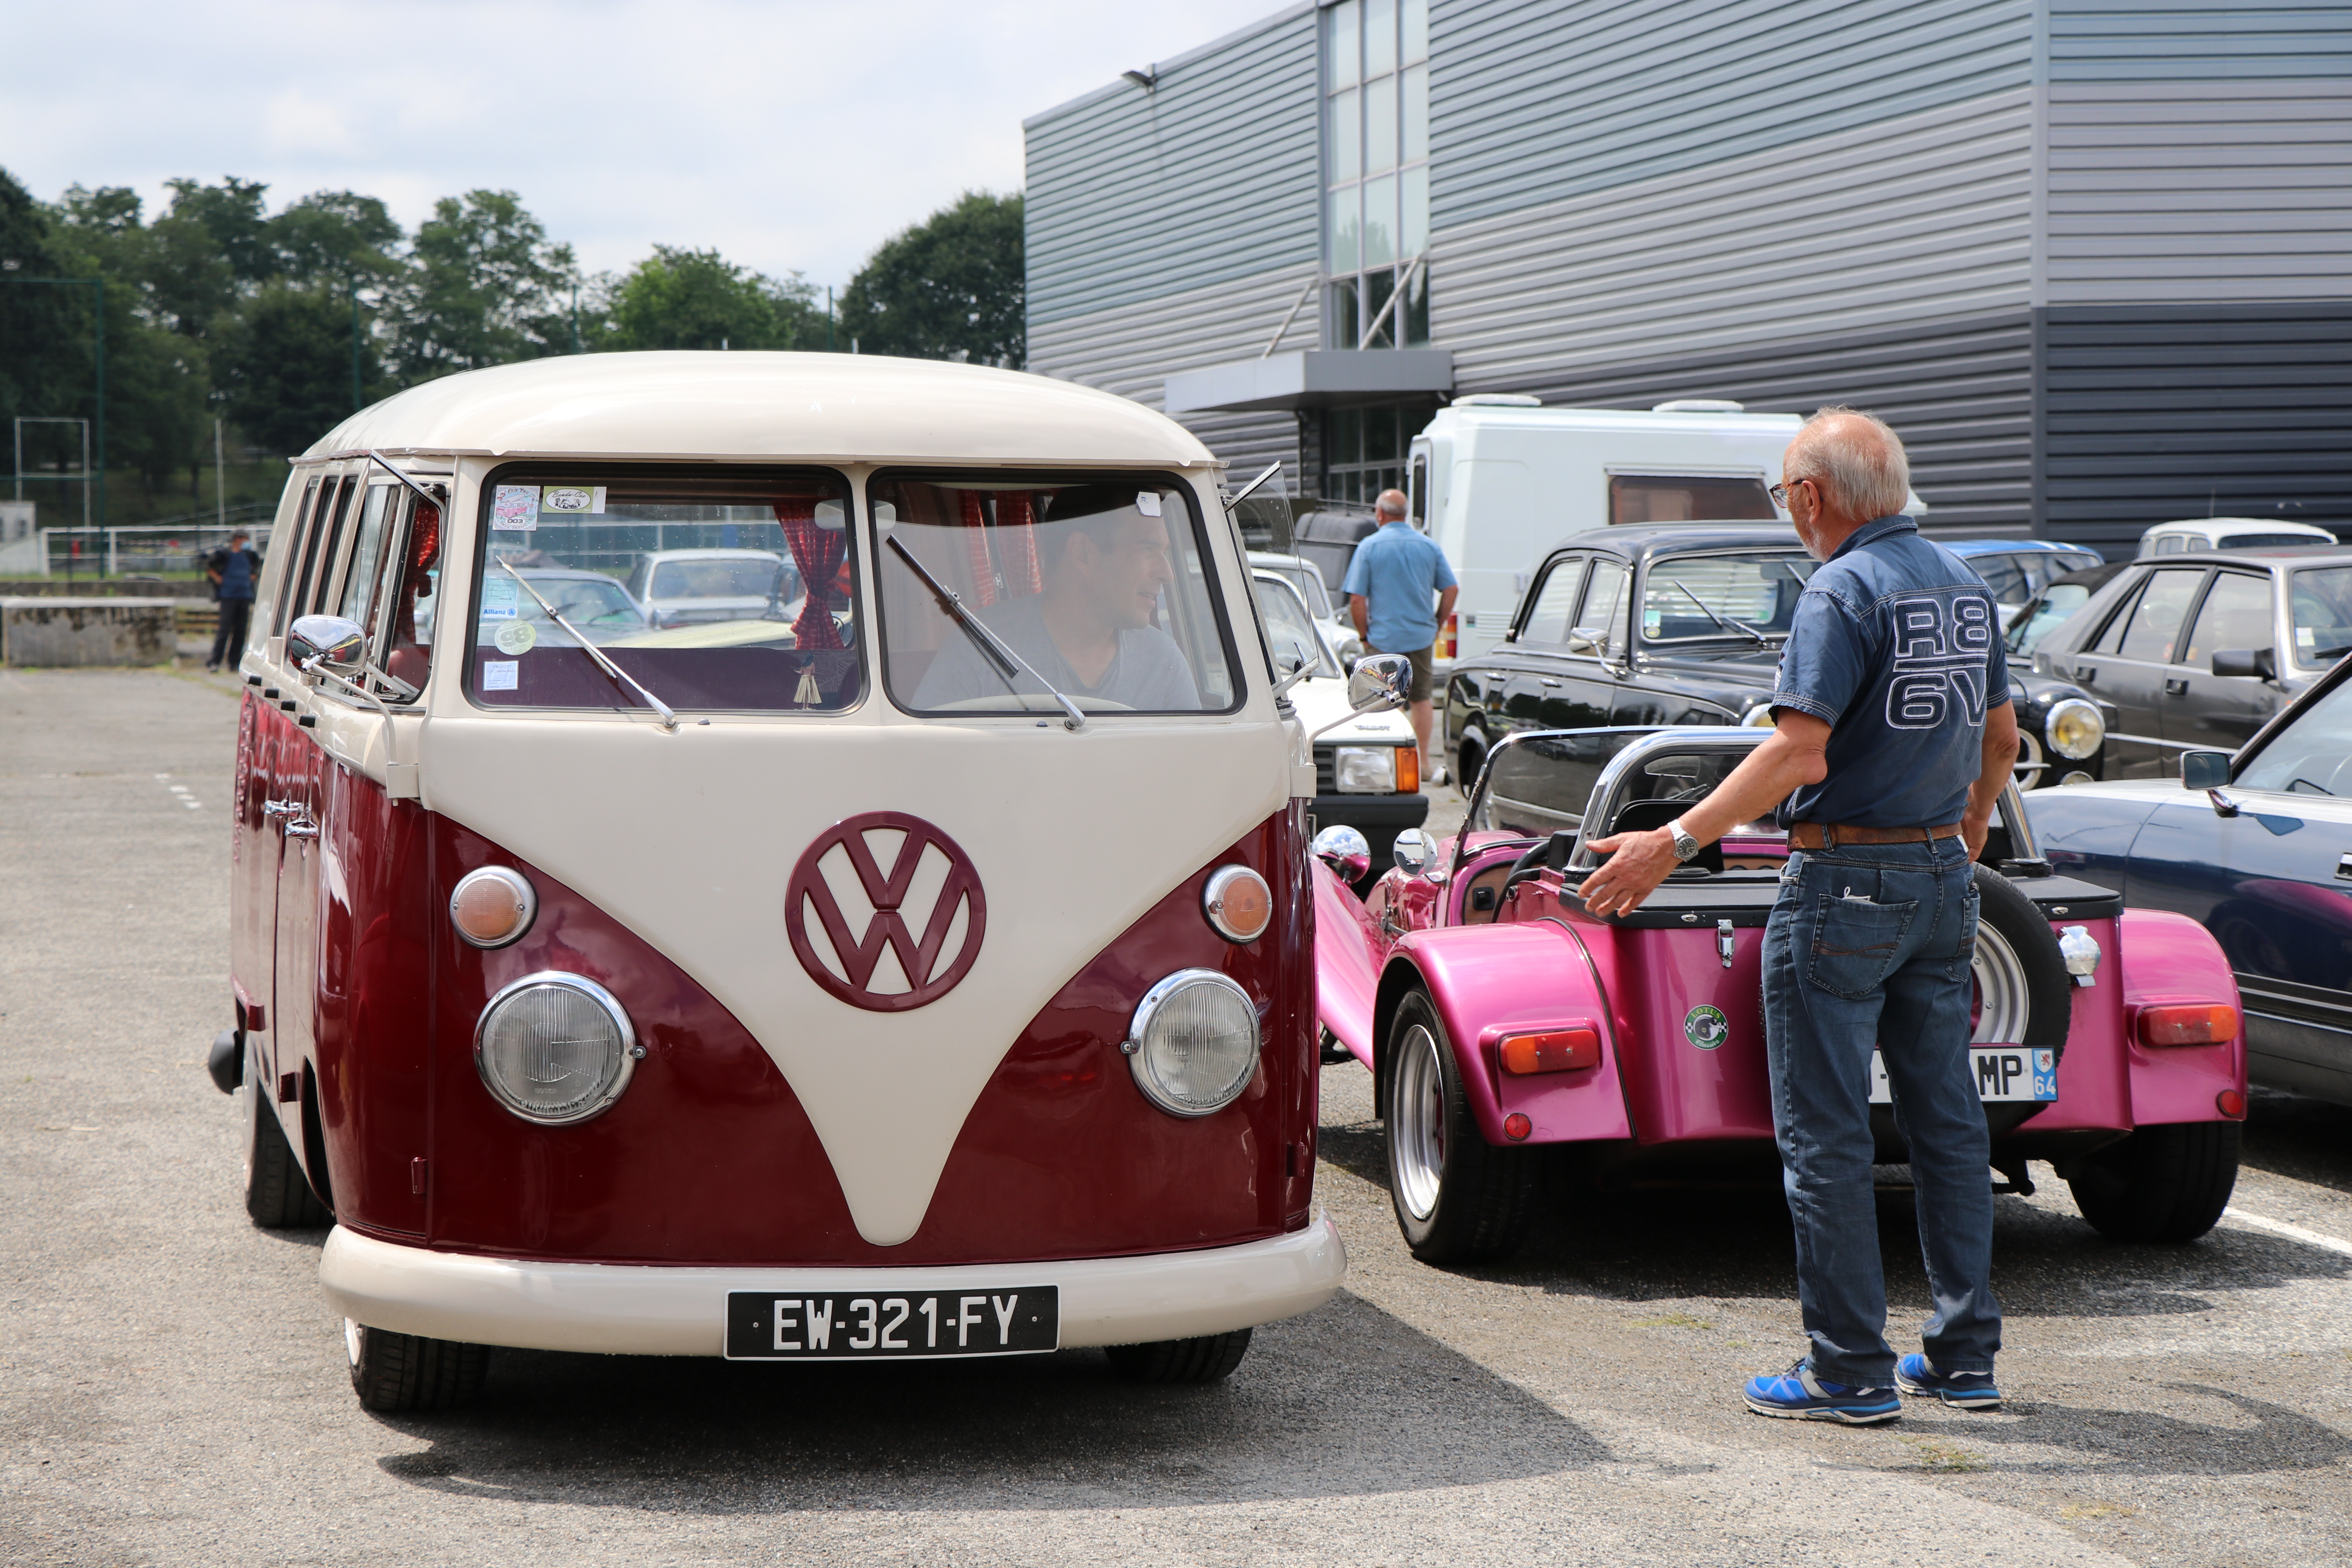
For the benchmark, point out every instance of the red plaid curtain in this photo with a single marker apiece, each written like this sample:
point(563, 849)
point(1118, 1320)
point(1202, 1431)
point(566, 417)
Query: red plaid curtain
point(817, 552)
point(975, 523)
point(1016, 542)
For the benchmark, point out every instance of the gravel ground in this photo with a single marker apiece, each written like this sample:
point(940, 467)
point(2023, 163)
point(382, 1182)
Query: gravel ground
point(172, 1388)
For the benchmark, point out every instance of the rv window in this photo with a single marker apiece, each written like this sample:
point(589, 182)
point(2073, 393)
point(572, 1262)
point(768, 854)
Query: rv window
point(1690, 498)
point(304, 567)
point(1101, 584)
point(714, 592)
point(367, 554)
point(266, 614)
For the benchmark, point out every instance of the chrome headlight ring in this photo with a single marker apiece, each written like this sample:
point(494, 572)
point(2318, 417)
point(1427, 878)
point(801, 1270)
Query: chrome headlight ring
point(1202, 1073)
point(2075, 728)
point(540, 1059)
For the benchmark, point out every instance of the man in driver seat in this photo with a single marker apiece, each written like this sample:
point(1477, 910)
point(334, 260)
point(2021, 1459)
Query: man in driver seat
point(1090, 633)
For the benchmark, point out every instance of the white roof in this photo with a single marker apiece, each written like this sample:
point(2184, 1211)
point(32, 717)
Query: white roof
point(2241, 525)
point(1621, 420)
point(847, 407)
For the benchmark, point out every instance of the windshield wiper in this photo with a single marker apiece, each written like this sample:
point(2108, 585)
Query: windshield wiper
point(668, 719)
point(1000, 654)
point(1729, 625)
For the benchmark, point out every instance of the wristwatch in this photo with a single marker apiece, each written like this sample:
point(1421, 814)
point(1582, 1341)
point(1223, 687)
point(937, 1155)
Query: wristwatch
point(1685, 846)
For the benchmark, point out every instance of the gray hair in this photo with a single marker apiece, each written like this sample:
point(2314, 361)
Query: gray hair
point(1856, 458)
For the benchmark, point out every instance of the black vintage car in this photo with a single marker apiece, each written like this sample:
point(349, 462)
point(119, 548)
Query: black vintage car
point(2202, 650)
point(1682, 623)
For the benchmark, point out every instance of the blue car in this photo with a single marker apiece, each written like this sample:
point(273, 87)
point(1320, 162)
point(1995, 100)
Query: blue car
point(2018, 569)
point(2257, 845)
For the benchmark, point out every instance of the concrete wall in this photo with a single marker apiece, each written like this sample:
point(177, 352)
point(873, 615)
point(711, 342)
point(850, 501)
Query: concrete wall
point(54, 631)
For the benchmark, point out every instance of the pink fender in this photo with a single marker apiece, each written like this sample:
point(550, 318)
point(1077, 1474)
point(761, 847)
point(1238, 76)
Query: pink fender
point(1348, 951)
point(1497, 980)
point(2169, 957)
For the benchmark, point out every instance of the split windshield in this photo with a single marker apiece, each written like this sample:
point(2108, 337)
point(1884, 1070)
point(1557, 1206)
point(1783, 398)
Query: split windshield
point(696, 587)
point(1097, 587)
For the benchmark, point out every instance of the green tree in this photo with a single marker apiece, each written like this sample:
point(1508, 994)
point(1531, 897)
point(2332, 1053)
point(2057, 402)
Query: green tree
point(333, 236)
point(697, 299)
point(45, 338)
point(284, 369)
point(484, 287)
point(949, 288)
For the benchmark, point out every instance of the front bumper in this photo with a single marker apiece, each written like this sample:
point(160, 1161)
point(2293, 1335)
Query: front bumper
point(635, 1310)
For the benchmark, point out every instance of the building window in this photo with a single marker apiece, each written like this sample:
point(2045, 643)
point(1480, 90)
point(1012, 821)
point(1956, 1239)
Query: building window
point(1366, 449)
point(1376, 173)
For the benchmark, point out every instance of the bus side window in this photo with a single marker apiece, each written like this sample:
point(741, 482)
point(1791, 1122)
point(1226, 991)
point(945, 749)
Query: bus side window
point(405, 588)
point(358, 597)
point(266, 613)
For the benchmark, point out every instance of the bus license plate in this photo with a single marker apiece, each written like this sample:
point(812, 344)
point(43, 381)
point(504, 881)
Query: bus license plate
point(845, 1325)
point(2003, 1073)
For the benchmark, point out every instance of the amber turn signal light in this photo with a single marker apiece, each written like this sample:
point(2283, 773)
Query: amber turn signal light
point(1237, 902)
point(1408, 770)
point(493, 906)
point(2190, 1024)
point(1562, 1050)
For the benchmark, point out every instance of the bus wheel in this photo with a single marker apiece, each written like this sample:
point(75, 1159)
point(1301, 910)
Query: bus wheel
point(2168, 1183)
point(408, 1371)
point(1209, 1359)
point(1458, 1198)
point(277, 1196)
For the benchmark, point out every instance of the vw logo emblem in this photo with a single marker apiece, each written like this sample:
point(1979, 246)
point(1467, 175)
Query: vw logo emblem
point(849, 963)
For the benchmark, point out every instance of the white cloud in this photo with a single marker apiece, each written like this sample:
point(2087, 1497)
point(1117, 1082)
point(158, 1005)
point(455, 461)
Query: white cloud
point(790, 136)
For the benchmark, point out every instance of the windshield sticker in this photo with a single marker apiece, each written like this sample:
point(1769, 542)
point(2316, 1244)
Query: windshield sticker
point(498, 674)
point(516, 636)
point(515, 509)
point(1705, 1026)
point(499, 598)
point(577, 500)
point(1148, 502)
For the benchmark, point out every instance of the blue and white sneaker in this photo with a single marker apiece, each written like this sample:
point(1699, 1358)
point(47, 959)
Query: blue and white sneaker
point(1969, 1390)
point(1798, 1395)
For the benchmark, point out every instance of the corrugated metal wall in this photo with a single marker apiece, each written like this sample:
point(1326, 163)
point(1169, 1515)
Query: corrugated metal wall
point(2180, 40)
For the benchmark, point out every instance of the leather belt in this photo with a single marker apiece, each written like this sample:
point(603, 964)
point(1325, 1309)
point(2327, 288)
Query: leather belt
point(1829, 834)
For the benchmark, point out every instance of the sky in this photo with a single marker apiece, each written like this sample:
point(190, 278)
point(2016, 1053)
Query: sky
point(788, 136)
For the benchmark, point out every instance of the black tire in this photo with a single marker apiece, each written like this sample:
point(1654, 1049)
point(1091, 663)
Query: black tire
point(277, 1196)
point(1471, 755)
point(2166, 1184)
point(1458, 1199)
point(408, 1371)
point(1209, 1359)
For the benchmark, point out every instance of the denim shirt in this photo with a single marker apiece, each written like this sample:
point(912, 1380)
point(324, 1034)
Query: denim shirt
point(1897, 644)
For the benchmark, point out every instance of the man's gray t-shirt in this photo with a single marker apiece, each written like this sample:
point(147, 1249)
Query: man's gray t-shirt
point(1149, 671)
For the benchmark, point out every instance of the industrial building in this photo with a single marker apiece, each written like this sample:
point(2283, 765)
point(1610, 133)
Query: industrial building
point(2093, 259)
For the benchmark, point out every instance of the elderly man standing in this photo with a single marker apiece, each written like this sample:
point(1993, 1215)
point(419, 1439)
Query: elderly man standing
point(1893, 735)
point(1390, 583)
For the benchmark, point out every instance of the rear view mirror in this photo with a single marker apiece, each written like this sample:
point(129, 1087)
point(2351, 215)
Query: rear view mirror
point(1415, 851)
point(1343, 848)
point(2205, 769)
point(331, 641)
point(1381, 682)
point(1587, 639)
point(2262, 662)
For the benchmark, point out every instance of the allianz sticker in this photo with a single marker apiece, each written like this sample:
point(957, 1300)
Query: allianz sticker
point(515, 638)
point(498, 601)
point(1705, 1026)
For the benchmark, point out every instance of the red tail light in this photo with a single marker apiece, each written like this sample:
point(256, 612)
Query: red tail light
point(1446, 635)
point(2188, 1024)
point(1558, 1050)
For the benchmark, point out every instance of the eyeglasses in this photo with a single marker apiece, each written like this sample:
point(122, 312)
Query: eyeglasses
point(1780, 494)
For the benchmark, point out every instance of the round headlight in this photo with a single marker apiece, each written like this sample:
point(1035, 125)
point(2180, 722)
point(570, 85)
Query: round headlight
point(2074, 728)
point(493, 906)
point(555, 1048)
point(1237, 902)
point(1193, 1044)
point(1758, 717)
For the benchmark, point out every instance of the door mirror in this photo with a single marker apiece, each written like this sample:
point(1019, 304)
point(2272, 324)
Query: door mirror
point(2205, 769)
point(330, 641)
point(2261, 662)
point(1415, 851)
point(1588, 640)
point(1343, 848)
point(1381, 682)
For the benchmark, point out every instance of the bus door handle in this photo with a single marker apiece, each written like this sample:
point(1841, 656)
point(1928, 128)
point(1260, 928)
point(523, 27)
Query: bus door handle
point(2176, 686)
point(281, 809)
point(301, 828)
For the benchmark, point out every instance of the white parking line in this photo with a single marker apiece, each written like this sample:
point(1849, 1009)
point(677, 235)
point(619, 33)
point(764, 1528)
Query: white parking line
point(180, 792)
point(2291, 1232)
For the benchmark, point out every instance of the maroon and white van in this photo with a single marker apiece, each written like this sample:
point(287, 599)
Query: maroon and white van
point(916, 961)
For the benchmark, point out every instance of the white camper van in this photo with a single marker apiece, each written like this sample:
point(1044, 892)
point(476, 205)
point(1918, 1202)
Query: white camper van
point(1499, 479)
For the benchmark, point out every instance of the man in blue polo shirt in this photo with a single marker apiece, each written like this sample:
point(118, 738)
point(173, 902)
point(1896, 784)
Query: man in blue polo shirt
point(1390, 586)
point(1892, 737)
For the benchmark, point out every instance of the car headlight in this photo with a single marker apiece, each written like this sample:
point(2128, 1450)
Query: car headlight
point(2074, 728)
point(1364, 770)
point(1758, 717)
point(1193, 1042)
point(554, 1049)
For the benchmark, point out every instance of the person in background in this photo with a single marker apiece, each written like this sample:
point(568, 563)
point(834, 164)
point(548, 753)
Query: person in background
point(233, 573)
point(1893, 735)
point(1397, 575)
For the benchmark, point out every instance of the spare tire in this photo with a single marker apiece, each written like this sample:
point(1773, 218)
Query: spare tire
point(2023, 995)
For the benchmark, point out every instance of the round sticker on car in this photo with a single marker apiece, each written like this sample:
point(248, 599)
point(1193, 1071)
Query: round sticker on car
point(515, 638)
point(1705, 1026)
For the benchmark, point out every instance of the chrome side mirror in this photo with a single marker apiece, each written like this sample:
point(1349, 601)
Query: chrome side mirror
point(1381, 682)
point(1587, 639)
point(2204, 769)
point(1415, 851)
point(1345, 850)
point(330, 641)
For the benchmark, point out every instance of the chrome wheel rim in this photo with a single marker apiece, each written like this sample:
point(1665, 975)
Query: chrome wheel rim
point(2002, 1001)
point(1417, 1124)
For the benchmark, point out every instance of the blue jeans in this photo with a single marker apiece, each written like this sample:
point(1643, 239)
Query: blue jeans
point(1871, 943)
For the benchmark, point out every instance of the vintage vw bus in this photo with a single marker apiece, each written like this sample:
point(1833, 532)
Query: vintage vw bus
point(913, 961)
